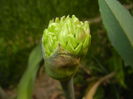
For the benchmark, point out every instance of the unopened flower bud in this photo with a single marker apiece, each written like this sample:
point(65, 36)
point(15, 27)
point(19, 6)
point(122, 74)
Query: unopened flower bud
point(64, 42)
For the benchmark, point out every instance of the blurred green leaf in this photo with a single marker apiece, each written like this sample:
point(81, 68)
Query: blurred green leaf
point(92, 90)
point(114, 91)
point(119, 24)
point(116, 64)
point(99, 94)
point(26, 84)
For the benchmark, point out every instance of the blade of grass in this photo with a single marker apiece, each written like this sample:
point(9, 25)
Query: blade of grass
point(27, 82)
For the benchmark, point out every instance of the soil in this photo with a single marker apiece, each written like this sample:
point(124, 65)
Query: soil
point(47, 88)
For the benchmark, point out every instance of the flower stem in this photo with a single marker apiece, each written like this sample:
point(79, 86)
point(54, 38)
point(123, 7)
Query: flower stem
point(68, 88)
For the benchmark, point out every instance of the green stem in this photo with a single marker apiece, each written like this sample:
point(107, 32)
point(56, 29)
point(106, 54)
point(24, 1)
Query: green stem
point(68, 88)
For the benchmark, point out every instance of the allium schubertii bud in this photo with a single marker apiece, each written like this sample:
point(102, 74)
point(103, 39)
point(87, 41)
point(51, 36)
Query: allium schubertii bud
point(64, 42)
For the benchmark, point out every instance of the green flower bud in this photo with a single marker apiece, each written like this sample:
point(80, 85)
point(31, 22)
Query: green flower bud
point(63, 43)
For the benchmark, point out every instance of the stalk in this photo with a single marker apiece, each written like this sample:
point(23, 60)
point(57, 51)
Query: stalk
point(68, 88)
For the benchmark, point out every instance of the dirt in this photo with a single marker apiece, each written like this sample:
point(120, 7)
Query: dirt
point(47, 88)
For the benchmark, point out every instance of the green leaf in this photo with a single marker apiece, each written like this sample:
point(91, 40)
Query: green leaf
point(92, 90)
point(115, 64)
point(27, 82)
point(119, 25)
point(99, 94)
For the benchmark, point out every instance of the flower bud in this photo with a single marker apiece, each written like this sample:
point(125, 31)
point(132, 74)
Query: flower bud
point(64, 42)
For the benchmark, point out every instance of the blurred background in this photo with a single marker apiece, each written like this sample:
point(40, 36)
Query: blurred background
point(21, 26)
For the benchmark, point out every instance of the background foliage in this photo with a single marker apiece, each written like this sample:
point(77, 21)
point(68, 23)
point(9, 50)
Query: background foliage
point(22, 23)
point(21, 26)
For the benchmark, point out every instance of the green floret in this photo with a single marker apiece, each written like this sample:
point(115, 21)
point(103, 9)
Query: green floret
point(68, 33)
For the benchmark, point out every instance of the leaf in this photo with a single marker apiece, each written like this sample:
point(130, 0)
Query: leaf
point(119, 25)
point(92, 90)
point(114, 91)
point(27, 82)
point(115, 64)
point(100, 93)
